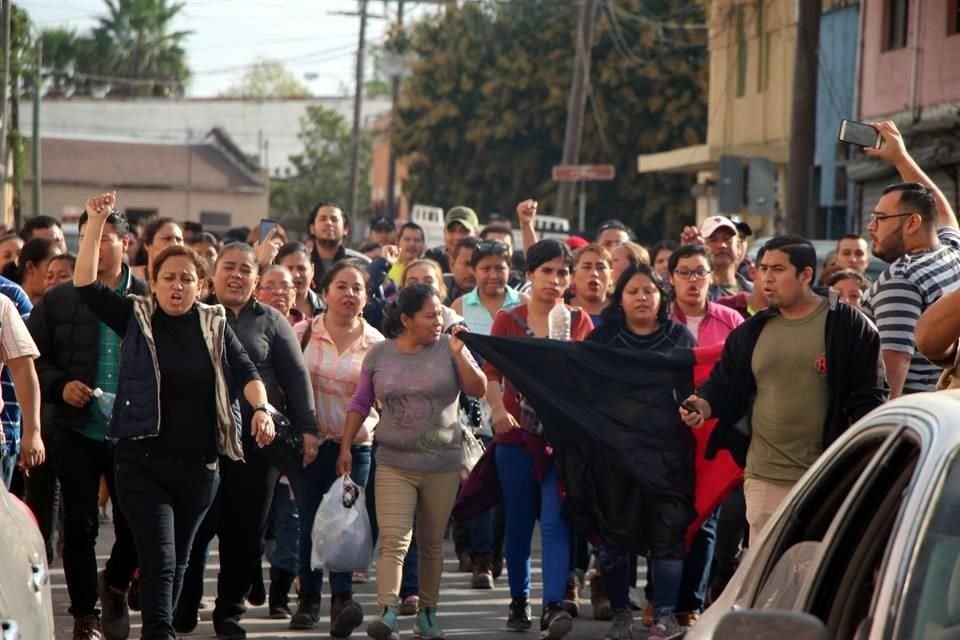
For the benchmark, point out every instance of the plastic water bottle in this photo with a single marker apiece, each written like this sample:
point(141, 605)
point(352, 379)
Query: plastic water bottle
point(104, 402)
point(558, 322)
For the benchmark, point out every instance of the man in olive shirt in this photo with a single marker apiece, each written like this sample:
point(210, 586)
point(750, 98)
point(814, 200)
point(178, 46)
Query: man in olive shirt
point(801, 371)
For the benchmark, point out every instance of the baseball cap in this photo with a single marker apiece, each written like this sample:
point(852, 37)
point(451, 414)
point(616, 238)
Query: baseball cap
point(711, 224)
point(465, 216)
point(575, 242)
point(383, 223)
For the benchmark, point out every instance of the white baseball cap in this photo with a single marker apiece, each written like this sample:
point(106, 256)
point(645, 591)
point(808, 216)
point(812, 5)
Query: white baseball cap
point(711, 224)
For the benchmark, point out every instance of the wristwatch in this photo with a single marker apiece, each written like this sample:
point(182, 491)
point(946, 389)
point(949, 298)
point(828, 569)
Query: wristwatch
point(266, 407)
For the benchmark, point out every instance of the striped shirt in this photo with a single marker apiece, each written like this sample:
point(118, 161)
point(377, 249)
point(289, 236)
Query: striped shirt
point(904, 291)
point(10, 414)
point(334, 377)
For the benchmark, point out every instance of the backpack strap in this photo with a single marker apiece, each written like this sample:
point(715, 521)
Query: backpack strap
point(521, 322)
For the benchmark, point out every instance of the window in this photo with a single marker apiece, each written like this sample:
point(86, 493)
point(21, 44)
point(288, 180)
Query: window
point(953, 17)
point(763, 51)
point(741, 51)
point(896, 18)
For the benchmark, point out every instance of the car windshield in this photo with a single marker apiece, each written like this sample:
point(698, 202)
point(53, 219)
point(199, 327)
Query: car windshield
point(931, 607)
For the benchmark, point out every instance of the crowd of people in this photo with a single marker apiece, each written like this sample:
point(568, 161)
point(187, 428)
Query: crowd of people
point(159, 364)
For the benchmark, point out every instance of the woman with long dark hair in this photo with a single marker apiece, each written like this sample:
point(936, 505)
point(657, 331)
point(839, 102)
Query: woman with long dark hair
point(159, 234)
point(30, 269)
point(417, 376)
point(639, 318)
point(170, 427)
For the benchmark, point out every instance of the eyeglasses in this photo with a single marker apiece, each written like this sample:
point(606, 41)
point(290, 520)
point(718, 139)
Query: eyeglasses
point(687, 274)
point(880, 218)
point(273, 288)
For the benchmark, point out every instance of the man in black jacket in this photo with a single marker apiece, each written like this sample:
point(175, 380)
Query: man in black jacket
point(329, 227)
point(797, 374)
point(79, 355)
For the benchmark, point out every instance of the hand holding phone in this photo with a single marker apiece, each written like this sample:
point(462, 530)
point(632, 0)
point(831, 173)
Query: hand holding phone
point(860, 134)
point(266, 226)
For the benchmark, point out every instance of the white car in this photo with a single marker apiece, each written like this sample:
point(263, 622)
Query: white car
point(867, 544)
point(26, 605)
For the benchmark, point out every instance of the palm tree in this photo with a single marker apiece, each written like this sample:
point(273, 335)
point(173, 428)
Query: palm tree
point(137, 52)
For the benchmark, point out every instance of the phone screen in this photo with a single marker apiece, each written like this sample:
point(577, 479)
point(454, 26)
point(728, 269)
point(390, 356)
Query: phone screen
point(265, 226)
point(858, 133)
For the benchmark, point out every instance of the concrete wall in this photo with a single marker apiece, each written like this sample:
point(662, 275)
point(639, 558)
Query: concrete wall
point(886, 86)
point(61, 200)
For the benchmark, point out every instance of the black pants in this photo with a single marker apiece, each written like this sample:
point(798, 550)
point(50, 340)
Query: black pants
point(41, 495)
point(239, 519)
point(164, 496)
point(80, 462)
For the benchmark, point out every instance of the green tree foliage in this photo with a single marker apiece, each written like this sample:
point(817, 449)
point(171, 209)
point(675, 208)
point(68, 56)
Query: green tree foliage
point(322, 171)
point(268, 79)
point(65, 55)
point(483, 113)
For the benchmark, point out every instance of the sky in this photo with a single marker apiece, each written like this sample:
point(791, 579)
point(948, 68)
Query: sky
point(317, 45)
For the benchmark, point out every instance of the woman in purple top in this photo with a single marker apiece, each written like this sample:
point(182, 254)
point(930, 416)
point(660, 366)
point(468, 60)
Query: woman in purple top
point(416, 376)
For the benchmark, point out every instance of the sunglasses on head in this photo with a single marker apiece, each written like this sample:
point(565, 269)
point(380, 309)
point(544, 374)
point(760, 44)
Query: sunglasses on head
point(492, 247)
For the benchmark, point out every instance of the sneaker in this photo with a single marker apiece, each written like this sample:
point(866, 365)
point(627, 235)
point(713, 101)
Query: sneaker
point(257, 595)
point(345, 615)
point(426, 626)
point(571, 599)
point(520, 616)
point(555, 622)
point(622, 626)
point(386, 626)
point(599, 600)
point(87, 628)
point(409, 606)
point(648, 612)
point(229, 629)
point(114, 614)
point(308, 613)
point(133, 593)
point(687, 620)
point(665, 628)
point(482, 573)
point(280, 612)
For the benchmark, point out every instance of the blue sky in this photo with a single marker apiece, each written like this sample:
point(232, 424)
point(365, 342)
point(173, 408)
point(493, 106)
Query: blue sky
point(229, 34)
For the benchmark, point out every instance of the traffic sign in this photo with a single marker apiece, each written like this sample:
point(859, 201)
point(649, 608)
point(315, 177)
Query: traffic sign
point(584, 172)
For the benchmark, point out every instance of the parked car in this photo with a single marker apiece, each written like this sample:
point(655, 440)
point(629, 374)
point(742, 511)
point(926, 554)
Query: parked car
point(867, 544)
point(26, 605)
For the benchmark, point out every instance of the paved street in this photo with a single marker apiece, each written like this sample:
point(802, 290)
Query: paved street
point(464, 613)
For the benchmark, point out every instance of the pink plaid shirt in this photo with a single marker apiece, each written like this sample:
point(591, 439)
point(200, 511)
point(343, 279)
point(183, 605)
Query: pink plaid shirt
point(334, 377)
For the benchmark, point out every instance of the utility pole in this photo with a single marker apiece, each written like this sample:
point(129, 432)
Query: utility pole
point(35, 164)
point(392, 171)
point(577, 103)
point(801, 203)
point(4, 111)
point(354, 191)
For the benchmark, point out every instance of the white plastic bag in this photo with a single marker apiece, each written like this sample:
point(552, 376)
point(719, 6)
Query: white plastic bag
point(342, 537)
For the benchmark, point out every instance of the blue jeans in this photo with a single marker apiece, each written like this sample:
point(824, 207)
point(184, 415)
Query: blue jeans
point(310, 484)
point(285, 524)
point(520, 493)
point(696, 567)
point(7, 465)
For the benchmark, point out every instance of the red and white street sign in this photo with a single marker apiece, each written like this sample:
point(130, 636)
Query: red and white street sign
point(585, 172)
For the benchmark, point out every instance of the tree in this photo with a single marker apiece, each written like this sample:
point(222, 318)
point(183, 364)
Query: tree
point(136, 52)
point(65, 55)
point(322, 171)
point(268, 79)
point(484, 110)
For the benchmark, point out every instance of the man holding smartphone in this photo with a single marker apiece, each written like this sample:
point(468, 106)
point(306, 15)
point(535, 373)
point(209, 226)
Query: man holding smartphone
point(798, 373)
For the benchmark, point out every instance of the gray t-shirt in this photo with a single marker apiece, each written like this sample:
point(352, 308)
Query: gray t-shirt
point(419, 427)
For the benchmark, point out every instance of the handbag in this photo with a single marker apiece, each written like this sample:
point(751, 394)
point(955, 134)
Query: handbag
point(285, 452)
point(471, 450)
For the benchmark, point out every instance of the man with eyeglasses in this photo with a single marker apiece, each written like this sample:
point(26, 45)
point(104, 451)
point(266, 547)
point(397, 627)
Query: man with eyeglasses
point(913, 227)
point(790, 381)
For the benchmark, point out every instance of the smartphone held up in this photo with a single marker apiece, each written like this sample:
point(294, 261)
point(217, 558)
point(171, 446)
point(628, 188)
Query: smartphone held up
point(860, 133)
point(266, 226)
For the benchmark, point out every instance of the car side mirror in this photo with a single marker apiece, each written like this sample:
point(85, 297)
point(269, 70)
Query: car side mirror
point(769, 624)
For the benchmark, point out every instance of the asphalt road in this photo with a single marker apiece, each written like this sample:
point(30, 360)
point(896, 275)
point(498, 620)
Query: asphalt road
point(463, 612)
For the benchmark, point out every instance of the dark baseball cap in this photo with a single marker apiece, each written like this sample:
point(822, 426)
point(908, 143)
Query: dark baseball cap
point(383, 223)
